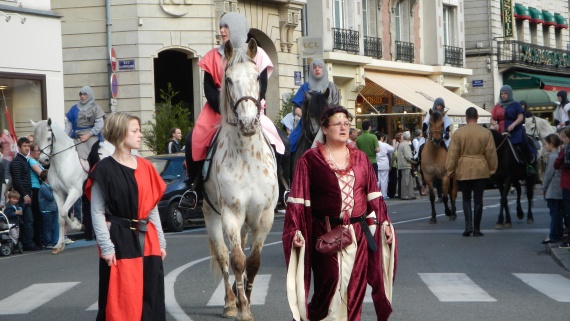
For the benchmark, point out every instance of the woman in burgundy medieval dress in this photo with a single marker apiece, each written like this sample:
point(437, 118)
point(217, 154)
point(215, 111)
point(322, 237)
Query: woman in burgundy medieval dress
point(337, 181)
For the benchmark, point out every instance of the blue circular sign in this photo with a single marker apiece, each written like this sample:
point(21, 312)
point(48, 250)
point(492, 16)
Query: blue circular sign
point(114, 85)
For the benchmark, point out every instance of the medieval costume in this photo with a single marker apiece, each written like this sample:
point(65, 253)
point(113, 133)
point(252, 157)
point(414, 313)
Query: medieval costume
point(213, 65)
point(127, 223)
point(340, 280)
point(85, 118)
point(446, 121)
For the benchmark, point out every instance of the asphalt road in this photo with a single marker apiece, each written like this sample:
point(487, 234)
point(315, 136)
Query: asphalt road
point(504, 275)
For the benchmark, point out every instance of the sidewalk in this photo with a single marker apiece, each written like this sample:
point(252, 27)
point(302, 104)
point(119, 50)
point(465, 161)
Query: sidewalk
point(562, 256)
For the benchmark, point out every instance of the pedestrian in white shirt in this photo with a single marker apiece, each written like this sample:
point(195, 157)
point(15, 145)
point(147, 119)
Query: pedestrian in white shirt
point(383, 161)
point(561, 112)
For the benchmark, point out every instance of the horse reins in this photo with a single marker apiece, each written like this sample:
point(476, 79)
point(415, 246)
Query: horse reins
point(50, 146)
point(239, 101)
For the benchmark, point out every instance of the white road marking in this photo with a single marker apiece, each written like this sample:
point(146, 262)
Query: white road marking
point(455, 287)
point(93, 307)
point(258, 294)
point(555, 286)
point(33, 297)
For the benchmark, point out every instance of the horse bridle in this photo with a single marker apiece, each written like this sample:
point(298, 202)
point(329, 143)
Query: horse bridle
point(432, 139)
point(50, 146)
point(242, 99)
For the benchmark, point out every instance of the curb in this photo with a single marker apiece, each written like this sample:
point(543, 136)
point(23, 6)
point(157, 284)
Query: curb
point(562, 256)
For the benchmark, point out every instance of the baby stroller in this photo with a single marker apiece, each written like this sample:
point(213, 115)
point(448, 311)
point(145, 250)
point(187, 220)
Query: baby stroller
point(8, 244)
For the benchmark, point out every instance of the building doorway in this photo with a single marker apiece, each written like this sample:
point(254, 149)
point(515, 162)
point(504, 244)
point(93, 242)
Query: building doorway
point(175, 67)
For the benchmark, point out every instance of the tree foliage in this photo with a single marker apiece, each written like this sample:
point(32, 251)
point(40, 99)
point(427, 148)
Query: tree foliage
point(167, 115)
point(286, 108)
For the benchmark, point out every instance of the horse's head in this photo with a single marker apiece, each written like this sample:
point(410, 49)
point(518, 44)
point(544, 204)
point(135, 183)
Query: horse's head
point(314, 105)
point(43, 137)
point(538, 127)
point(436, 126)
point(239, 99)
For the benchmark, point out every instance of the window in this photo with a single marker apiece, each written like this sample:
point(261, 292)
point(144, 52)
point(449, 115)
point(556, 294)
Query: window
point(365, 18)
point(398, 20)
point(533, 32)
point(520, 29)
point(449, 26)
point(25, 97)
point(339, 14)
point(546, 35)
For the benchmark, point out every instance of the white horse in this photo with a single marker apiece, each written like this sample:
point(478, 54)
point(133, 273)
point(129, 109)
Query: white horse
point(539, 128)
point(66, 173)
point(242, 190)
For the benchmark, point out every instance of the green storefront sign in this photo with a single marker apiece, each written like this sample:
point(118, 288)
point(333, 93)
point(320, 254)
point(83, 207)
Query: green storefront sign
point(508, 18)
point(543, 56)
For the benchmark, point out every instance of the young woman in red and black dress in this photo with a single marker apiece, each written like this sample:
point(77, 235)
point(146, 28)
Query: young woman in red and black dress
point(124, 191)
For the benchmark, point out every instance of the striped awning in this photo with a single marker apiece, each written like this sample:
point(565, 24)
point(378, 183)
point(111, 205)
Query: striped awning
point(421, 92)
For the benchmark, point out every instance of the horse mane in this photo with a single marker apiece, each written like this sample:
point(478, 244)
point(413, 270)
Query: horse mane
point(436, 116)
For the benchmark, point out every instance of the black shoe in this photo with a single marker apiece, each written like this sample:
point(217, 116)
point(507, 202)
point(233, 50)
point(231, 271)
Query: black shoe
point(478, 233)
point(467, 233)
point(548, 241)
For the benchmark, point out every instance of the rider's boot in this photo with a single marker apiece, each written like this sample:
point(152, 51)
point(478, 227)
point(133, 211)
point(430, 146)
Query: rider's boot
point(477, 221)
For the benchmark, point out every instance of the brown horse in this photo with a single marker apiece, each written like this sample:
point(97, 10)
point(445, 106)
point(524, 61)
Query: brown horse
point(433, 158)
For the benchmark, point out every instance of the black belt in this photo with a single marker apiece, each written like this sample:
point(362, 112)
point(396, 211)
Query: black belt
point(363, 224)
point(128, 223)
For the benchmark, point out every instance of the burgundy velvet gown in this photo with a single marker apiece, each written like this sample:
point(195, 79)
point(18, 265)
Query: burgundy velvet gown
point(315, 193)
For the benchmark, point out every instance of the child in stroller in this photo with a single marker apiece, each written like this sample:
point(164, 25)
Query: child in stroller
point(10, 226)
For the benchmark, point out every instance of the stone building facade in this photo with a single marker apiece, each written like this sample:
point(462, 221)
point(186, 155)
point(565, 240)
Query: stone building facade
point(157, 42)
point(533, 60)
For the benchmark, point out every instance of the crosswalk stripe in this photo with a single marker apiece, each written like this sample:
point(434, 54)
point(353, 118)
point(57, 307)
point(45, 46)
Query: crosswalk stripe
point(554, 286)
point(93, 307)
point(455, 287)
point(32, 297)
point(258, 294)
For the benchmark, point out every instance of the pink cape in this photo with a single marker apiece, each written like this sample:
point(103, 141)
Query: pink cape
point(208, 120)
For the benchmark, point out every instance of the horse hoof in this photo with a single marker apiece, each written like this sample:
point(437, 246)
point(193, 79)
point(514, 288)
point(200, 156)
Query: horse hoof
point(499, 226)
point(520, 216)
point(453, 217)
point(508, 225)
point(433, 220)
point(56, 251)
point(529, 221)
point(230, 312)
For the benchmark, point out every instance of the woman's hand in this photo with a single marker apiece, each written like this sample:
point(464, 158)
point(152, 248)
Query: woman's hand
point(389, 235)
point(110, 259)
point(511, 127)
point(85, 137)
point(163, 253)
point(298, 240)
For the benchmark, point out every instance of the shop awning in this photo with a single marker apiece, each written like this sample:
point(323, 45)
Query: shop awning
point(421, 92)
point(522, 80)
point(521, 12)
point(536, 97)
point(548, 18)
point(535, 15)
point(560, 21)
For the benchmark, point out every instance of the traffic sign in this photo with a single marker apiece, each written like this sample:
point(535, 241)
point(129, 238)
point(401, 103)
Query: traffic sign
point(114, 85)
point(113, 59)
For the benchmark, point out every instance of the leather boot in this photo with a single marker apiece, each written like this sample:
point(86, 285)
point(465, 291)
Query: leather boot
point(477, 221)
point(468, 219)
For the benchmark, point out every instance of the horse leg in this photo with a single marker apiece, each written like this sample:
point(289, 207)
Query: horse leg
point(529, 197)
point(500, 220)
point(219, 252)
point(257, 239)
point(238, 261)
point(454, 187)
point(520, 213)
point(429, 183)
point(445, 197)
point(59, 200)
point(505, 203)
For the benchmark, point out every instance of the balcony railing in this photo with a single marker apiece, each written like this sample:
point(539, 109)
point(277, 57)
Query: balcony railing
point(405, 51)
point(522, 53)
point(453, 56)
point(373, 47)
point(346, 40)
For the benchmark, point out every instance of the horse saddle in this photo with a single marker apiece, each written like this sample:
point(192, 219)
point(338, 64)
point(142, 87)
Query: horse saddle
point(518, 153)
